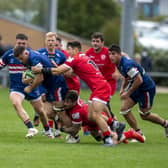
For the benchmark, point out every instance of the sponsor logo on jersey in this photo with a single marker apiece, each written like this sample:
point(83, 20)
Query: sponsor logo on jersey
point(76, 115)
point(103, 57)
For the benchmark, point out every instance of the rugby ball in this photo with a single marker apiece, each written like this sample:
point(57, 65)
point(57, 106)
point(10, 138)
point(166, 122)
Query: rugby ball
point(28, 74)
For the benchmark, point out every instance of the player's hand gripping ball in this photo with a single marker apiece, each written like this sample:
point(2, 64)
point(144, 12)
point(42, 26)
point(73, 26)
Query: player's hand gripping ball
point(28, 74)
point(28, 77)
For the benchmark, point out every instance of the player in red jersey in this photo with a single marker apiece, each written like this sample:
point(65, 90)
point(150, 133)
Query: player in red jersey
point(99, 54)
point(72, 81)
point(87, 70)
point(78, 112)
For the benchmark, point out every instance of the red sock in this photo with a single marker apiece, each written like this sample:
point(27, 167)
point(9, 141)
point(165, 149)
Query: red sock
point(110, 120)
point(106, 133)
point(51, 123)
point(128, 134)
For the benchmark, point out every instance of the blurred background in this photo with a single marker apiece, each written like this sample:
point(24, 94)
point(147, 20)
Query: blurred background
point(139, 26)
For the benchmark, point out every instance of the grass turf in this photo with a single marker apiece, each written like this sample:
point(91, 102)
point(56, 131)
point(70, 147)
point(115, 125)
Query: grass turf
point(41, 152)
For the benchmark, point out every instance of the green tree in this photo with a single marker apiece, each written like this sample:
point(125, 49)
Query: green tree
point(84, 17)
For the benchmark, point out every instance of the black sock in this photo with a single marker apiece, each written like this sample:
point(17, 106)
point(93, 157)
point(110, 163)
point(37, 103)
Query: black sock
point(28, 124)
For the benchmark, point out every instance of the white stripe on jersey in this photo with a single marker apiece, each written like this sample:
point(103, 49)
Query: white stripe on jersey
point(148, 100)
point(17, 67)
point(132, 72)
point(15, 72)
point(59, 94)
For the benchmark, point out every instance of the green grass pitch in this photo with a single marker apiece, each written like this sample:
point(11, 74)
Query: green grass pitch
point(41, 152)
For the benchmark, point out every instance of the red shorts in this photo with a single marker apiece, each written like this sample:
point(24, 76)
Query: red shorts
point(113, 85)
point(102, 93)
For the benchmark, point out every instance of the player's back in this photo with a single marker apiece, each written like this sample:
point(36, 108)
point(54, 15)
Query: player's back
point(79, 114)
point(127, 64)
point(87, 70)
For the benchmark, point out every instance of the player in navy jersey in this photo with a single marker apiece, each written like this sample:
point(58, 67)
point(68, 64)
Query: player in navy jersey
point(56, 57)
point(55, 85)
point(137, 87)
point(17, 94)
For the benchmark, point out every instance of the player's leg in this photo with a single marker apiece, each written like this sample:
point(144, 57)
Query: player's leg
point(39, 108)
point(17, 100)
point(95, 108)
point(59, 95)
point(125, 110)
point(36, 119)
point(145, 105)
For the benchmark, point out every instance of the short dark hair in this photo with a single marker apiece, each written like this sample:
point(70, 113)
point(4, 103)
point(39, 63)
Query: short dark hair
point(74, 44)
point(98, 35)
point(21, 36)
point(72, 95)
point(18, 50)
point(59, 39)
point(115, 47)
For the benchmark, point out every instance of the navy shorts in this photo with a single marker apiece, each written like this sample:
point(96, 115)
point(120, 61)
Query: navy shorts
point(144, 98)
point(35, 94)
point(58, 94)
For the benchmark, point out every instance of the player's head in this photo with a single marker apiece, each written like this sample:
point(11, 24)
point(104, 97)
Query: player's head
point(21, 54)
point(70, 99)
point(97, 41)
point(114, 53)
point(21, 40)
point(73, 47)
point(58, 44)
point(50, 40)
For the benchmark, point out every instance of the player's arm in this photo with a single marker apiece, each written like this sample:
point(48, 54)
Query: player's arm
point(69, 73)
point(124, 84)
point(117, 75)
point(36, 82)
point(55, 71)
point(2, 64)
point(73, 130)
point(38, 78)
point(136, 83)
point(134, 74)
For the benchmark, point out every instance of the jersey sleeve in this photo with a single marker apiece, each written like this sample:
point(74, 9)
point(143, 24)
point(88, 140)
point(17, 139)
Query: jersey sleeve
point(69, 62)
point(4, 60)
point(2, 64)
point(132, 71)
point(61, 56)
point(36, 62)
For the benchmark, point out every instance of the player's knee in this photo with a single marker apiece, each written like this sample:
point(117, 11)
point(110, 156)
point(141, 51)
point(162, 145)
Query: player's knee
point(124, 112)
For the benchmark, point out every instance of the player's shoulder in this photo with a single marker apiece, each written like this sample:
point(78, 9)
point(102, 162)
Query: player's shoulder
point(42, 50)
point(59, 53)
point(127, 62)
point(8, 53)
point(89, 51)
point(104, 50)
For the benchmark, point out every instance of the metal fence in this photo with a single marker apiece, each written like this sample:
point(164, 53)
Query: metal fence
point(4, 77)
